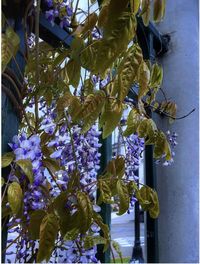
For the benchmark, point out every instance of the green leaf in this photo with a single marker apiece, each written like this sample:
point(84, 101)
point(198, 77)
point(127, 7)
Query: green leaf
point(148, 199)
point(127, 72)
point(2, 181)
point(115, 10)
point(133, 121)
point(135, 5)
point(60, 58)
point(74, 181)
point(48, 234)
point(85, 211)
point(154, 210)
point(74, 72)
point(116, 167)
point(75, 109)
point(91, 109)
point(116, 247)
point(161, 146)
point(90, 23)
point(9, 45)
point(144, 198)
point(146, 12)
point(104, 228)
point(35, 221)
point(27, 168)
point(124, 199)
point(72, 234)
point(88, 87)
point(6, 159)
point(51, 164)
point(156, 76)
point(103, 15)
point(158, 10)
point(105, 192)
point(91, 241)
point(15, 197)
point(64, 102)
point(76, 47)
point(132, 187)
point(111, 116)
point(143, 78)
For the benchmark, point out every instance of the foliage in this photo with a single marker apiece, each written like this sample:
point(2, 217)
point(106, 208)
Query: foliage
point(53, 178)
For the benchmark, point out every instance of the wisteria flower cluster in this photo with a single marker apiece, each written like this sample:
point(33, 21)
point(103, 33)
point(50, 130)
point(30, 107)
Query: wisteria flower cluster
point(61, 10)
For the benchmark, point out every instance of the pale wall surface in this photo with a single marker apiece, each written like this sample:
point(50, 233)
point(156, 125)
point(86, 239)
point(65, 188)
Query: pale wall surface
point(178, 185)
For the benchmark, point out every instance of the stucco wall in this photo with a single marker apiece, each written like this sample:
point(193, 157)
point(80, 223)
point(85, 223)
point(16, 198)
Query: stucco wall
point(178, 185)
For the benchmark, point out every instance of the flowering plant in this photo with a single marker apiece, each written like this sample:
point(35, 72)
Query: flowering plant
point(50, 192)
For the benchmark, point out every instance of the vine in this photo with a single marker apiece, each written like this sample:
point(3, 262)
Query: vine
point(55, 158)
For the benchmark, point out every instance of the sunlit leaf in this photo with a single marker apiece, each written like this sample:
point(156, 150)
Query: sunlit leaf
point(48, 233)
point(158, 10)
point(74, 72)
point(6, 159)
point(104, 229)
point(133, 121)
point(27, 168)
point(111, 116)
point(105, 192)
point(15, 197)
point(143, 78)
point(91, 241)
point(146, 11)
point(9, 45)
point(124, 200)
point(85, 210)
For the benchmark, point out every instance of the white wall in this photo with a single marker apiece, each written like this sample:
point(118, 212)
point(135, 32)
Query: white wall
point(178, 185)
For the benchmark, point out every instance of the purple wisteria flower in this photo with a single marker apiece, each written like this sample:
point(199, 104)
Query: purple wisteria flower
point(61, 10)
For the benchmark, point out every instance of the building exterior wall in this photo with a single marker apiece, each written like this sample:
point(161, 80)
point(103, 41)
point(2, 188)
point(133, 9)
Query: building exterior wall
point(178, 185)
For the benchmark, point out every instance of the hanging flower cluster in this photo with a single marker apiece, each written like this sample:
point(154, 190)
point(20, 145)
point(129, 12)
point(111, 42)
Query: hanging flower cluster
point(59, 10)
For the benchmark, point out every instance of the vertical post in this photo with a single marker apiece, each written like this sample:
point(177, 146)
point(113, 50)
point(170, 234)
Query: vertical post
point(152, 227)
point(137, 255)
point(106, 155)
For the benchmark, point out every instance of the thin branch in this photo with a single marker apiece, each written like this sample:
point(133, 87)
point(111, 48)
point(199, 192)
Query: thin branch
point(37, 62)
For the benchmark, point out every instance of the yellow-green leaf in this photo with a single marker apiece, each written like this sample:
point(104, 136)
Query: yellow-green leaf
point(85, 211)
point(9, 45)
point(133, 121)
point(135, 5)
point(27, 168)
point(48, 234)
point(15, 197)
point(105, 192)
point(143, 78)
point(104, 228)
point(90, 23)
point(146, 11)
point(2, 181)
point(124, 199)
point(6, 159)
point(91, 109)
point(154, 209)
point(76, 47)
point(158, 10)
point(111, 117)
point(35, 222)
point(74, 72)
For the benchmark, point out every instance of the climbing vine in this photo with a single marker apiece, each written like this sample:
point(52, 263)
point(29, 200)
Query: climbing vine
point(72, 97)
